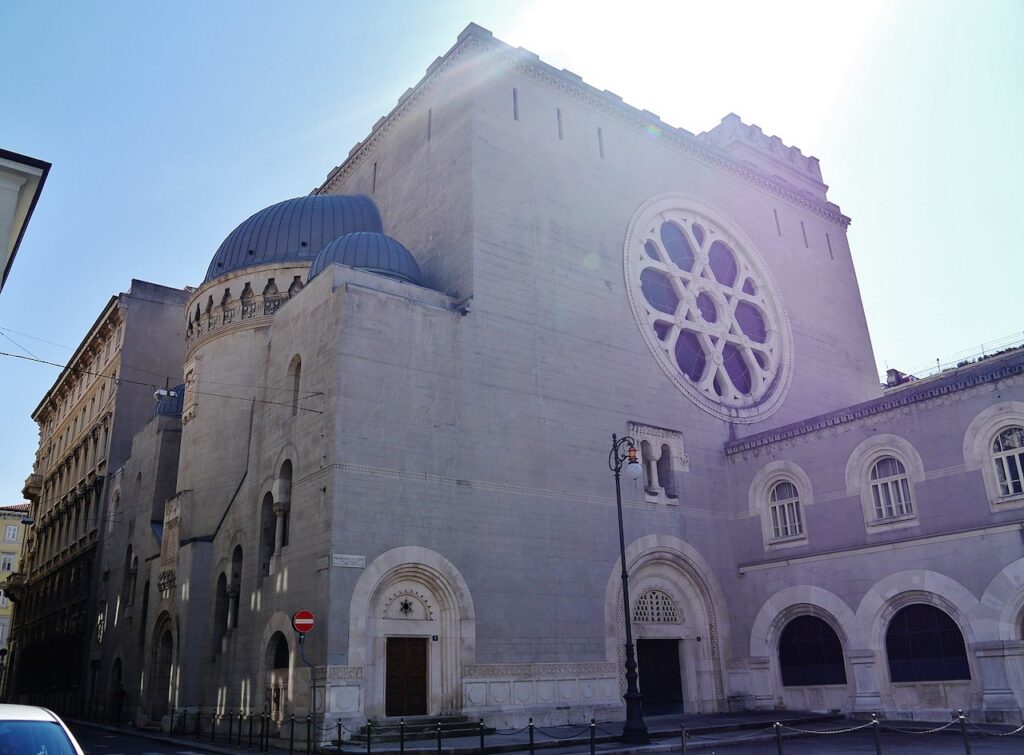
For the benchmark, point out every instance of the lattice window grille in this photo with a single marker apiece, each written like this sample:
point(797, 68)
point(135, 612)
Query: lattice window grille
point(655, 607)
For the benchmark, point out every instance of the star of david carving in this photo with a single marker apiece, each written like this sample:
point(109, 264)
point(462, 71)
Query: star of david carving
point(405, 606)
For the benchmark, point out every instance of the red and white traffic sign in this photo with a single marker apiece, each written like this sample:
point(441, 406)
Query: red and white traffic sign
point(303, 621)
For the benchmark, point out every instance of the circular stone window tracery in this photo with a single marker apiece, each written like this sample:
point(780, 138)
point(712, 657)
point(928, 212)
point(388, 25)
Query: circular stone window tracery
point(707, 308)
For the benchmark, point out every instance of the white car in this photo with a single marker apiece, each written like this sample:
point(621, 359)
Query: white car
point(31, 730)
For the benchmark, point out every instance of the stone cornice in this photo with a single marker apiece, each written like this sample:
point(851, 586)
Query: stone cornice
point(910, 394)
point(479, 41)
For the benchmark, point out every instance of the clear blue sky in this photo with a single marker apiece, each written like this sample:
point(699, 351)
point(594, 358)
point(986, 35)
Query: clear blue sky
point(167, 124)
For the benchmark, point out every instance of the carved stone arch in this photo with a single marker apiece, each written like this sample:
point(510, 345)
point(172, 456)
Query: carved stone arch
point(759, 493)
point(446, 611)
point(164, 674)
point(277, 686)
point(1001, 609)
point(288, 453)
point(858, 473)
point(892, 593)
point(766, 633)
point(668, 561)
point(792, 601)
point(876, 611)
point(977, 448)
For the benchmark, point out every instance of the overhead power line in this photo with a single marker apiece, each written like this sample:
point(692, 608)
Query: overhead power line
point(154, 386)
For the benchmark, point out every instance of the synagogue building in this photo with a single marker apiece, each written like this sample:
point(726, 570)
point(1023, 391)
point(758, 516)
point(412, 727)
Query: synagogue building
point(396, 404)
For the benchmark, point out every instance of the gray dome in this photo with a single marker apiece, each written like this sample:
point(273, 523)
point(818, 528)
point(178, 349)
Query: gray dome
point(373, 252)
point(293, 231)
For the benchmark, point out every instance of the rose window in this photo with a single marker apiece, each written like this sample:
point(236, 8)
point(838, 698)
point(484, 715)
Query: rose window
point(707, 308)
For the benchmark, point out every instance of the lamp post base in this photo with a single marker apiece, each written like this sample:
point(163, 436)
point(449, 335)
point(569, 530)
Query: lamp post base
point(635, 730)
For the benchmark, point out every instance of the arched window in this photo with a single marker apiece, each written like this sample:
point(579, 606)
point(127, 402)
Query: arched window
point(294, 376)
point(784, 505)
point(267, 533)
point(924, 644)
point(810, 653)
point(220, 614)
point(890, 489)
point(1008, 456)
point(277, 652)
point(236, 583)
point(285, 495)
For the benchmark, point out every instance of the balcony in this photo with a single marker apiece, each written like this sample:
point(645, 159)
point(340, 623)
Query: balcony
point(33, 486)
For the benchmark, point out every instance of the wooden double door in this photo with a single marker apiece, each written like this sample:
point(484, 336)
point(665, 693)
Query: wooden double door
point(405, 676)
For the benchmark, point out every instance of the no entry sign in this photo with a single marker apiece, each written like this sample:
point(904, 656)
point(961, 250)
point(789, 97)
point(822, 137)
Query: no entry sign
point(303, 621)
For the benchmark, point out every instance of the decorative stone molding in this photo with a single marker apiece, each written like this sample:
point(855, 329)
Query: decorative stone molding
point(478, 42)
point(922, 394)
point(536, 670)
point(344, 673)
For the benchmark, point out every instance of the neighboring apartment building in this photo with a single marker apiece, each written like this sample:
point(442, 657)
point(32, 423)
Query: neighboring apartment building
point(86, 424)
point(12, 536)
point(13, 525)
point(21, 183)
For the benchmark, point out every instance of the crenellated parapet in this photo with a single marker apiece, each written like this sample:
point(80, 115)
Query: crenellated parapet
point(240, 300)
point(748, 143)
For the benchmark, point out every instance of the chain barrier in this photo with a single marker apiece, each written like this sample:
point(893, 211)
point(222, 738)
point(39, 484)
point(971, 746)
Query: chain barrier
point(510, 732)
point(828, 731)
point(739, 738)
point(990, 733)
point(567, 736)
point(917, 731)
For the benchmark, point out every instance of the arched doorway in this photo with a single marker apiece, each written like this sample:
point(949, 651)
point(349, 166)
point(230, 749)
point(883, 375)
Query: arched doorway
point(161, 673)
point(676, 631)
point(277, 664)
point(412, 629)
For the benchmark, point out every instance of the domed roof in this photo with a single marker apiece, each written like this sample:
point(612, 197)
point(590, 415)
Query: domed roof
point(373, 252)
point(293, 231)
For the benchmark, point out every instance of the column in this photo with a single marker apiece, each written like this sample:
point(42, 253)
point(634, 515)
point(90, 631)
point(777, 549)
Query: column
point(868, 696)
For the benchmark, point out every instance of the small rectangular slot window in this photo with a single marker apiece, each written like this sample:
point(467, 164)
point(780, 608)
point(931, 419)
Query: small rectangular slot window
point(558, 112)
point(600, 142)
point(374, 184)
point(430, 119)
point(515, 104)
point(778, 227)
point(804, 232)
point(829, 242)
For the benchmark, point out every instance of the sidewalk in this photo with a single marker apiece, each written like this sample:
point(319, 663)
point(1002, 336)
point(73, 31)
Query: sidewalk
point(703, 731)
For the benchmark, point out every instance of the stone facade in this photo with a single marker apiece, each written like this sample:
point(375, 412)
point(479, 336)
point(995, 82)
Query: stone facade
point(424, 466)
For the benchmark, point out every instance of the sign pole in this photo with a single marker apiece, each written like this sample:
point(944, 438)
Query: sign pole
point(302, 622)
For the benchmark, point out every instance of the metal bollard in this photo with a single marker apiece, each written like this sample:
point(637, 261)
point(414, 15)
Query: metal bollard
point(238, 737)
point(778, 737)
point(682, 738)
point(530, 726)
point(231, 725)
point(401, 735)
point(291, 735)
point(963, 731)
point(482, 746)
point(249, 747)
point(199, 714)
point(213, 726)
point(875, 726)
point(339, 735)
point(593, 736)
point(265, 733)
point(369, 736)
point(309, 733)
point(438, 738)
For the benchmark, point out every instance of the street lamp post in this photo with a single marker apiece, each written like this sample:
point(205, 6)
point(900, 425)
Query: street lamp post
point(635, 730)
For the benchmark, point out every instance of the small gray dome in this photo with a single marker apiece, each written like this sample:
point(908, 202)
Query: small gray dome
point(373, 252)
point(293, 231)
